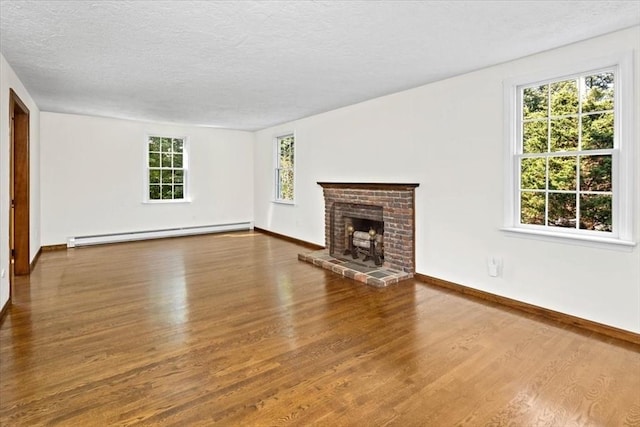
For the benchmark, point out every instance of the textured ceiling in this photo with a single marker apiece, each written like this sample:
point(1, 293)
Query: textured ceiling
point(253, 64)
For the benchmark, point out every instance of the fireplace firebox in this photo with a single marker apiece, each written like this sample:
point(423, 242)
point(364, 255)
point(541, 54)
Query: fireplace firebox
point(357, 232)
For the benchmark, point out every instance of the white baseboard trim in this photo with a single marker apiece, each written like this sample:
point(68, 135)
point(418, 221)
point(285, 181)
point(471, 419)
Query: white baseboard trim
point(100, 239)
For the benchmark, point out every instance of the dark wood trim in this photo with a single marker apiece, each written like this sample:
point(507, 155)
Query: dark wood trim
point(19, 122)
point(35, 259)
point(51, 248)
point(369, 185)
point(48, 248)
point(289, 239)
point(18, 101)
point(556, 316)
point(5, 310)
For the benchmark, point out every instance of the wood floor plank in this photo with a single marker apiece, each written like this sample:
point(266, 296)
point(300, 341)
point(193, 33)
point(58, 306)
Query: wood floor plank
point(232, 329)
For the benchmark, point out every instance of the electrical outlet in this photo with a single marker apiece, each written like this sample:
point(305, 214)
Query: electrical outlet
point(3, 273)
point(494, 265)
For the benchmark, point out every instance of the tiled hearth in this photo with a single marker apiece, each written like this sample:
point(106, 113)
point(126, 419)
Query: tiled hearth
point(374, 276)
point(390, 205)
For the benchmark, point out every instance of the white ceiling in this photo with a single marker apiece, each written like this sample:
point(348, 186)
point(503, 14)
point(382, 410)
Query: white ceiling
point(253, 64)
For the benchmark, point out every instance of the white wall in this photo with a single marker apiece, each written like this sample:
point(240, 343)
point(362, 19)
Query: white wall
point(448, 137)
point(93, 177)
point(9, 80)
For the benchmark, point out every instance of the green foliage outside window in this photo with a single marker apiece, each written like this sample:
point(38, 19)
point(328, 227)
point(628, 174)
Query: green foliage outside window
point(284, 171)
point(562, 184)
point(166, 168)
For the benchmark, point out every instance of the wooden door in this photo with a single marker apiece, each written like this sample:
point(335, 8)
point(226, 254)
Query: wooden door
point(19, 186)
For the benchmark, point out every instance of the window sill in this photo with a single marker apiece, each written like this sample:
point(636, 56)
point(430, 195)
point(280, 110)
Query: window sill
point(574, 239)
point(284, 202)
point(166, 202)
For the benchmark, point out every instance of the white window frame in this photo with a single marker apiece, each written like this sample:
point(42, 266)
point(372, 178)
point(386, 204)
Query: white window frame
point(276, 161)
point(623, 154)
point(185, 167)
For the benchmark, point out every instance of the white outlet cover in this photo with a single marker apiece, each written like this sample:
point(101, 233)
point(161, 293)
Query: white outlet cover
point(493, 266)
point(493, 270)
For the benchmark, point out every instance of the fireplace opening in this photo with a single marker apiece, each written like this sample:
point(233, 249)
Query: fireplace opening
point(357, 233)
point(365, 240)
point(364, 224)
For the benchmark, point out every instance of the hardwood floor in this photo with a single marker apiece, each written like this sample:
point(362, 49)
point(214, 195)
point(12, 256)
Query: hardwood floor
point(233, 330)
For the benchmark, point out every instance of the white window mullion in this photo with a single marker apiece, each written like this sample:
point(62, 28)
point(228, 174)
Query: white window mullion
point(578, 191)
point(546, 191)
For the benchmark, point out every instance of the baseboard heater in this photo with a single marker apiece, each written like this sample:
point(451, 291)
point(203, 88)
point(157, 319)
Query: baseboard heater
point(100, 239)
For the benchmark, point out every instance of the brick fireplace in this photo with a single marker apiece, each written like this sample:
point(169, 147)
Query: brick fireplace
point(389, 208)
point(387, 211)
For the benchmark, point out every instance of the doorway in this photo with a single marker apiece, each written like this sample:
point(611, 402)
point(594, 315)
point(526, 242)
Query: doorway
point(18, 187)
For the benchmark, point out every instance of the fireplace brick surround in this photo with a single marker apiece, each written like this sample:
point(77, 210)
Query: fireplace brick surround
point(397, 203)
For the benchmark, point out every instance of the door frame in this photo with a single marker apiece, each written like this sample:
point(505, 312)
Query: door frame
point(18, 187)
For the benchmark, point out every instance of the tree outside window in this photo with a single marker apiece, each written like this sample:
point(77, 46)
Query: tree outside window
point(166, 168)
point(566, 153)
point(285, 167)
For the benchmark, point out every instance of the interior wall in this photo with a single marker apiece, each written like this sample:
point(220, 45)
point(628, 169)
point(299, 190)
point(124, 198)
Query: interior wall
point(93, 177)
point(9, 80)
point(449, 137)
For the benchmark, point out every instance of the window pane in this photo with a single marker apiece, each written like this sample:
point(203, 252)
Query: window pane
point(178, 192)
point(284, 167)
point(534, 137)
point(286, 152)
point(534, 101)
point(165, 145)
point(595, 173)
point(564, 98)
point(177, 145)
point(598, 93)
point(562, 210)
point(595, 212)
point(154, 176)
point(167, 192)
point(166, 160)
point(533, 174)
point(597, 131)
point(166, 177)
point(560, 186)
point(154, 192)
point(564, 134)
point(154, 143)
point(532, 208)
point(562, 173)
point(154, 160)
point(285, 181)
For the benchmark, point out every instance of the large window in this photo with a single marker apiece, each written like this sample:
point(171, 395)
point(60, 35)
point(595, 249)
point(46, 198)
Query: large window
point(166, 168)
point(566, 167)
point(570, 167)
point(284, 181)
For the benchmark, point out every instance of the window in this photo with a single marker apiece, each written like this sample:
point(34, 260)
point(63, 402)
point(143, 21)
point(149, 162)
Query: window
point(166, 168)
point(284, 168)
point(570, 168)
